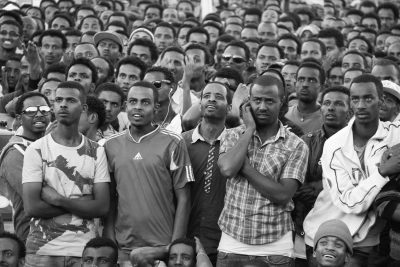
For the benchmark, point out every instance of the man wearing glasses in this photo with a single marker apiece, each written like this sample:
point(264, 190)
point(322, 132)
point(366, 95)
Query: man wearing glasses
point(10, 38)
point(236, 55)
point(33, 112)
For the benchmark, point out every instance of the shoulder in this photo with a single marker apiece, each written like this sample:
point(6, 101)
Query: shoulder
point(114, 138)
point(292, 140)
point(187, 136)
point(170, 135)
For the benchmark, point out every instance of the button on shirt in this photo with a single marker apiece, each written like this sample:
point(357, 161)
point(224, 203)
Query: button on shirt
point(247, 216)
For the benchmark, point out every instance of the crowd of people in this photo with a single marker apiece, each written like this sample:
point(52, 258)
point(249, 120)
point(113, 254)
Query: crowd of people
point(200, 133)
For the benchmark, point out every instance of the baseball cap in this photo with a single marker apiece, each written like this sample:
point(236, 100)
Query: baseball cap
point(98, 37)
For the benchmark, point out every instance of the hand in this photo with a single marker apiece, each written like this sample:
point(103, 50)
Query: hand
point(146, 256)
point(51, 196)
point(191, 68)
point(247, 116)
point(199, 246)
point(4, 82)
point(390, 162)
point(32, 54)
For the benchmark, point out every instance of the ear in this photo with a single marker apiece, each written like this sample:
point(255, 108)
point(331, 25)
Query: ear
point(84, 107)
point(156, 107)
point(314, 254)
point(228, 108)
point(347, 258)
point(93, 118)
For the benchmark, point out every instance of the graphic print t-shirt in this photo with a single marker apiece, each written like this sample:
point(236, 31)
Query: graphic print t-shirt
point(72, 172)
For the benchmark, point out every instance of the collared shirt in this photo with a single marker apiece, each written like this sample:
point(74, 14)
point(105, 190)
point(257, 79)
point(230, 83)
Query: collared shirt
point(248, 216)
point(206, 207)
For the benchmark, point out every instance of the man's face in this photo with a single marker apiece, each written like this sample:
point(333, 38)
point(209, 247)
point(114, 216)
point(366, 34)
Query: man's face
point(152, 13)
point(198, 38)
point(174, 62)
point(289, 48)
point(68, 106)
point(29, 27)
point(181, 255)
point(365, 102)
point(85, 51)
point(13, 71)
point(387, 18)
point(90, 24)
point(25, 69)
point(335, 109)
point(214, 103)
point(234, 57)
point(390, 107)
point(127, 76)
point(311, 50)
point(213, 33)
point(49, 90)
point(34, 124)
point(163, 37)
point(233, 30)
point(388, 72)
point(142, 52)
point(182, 36)
point(64, 6)
point(102, 257)
point(265, 102)
point(102, 69)
point(289, 74)
point(253, 47)
point(349, 77)
point(73, 41)
point(185, 8)
point(380, 41)
point(335, 77)
point(82, 14)
point(140, 106)
point(60, 24)
point(81, 74)
point(267, 31)
point(170, 15)
point(9, 253)
point(51, 50)
point(9, 37)
point(109, 49)
point(352, 61)
point(270, 16)
point(49, 13)
point(248, 33)
point(331, 251)
point(370, 23)
point(105, 15)
point(163, 92)
point(394, 50)
point(308, 85)
point(359, 45)
point(332, 50)
point(265, 57)
point(113, 104)
point(251, 19)
point(34, 13)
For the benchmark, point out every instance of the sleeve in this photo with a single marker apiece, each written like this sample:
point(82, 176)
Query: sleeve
point(348, 195)
point(180, 166)
point(177, 99)
point(12, 165)
point(388, 199)
point(294, 167)
point(102, 174)
point(229, 140)
point(32, 171)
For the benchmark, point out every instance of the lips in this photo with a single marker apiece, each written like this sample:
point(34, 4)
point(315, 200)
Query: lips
point(39, 124)
point(330, 116)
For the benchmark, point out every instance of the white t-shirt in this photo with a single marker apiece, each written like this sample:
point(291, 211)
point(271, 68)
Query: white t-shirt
point(72, 172)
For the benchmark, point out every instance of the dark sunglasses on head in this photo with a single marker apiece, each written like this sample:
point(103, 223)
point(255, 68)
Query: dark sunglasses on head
point(158, 84)
point(31, 111)
point(235, 59)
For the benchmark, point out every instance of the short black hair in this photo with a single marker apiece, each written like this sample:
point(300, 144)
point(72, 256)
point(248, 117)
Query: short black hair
point(54, 33)
point(186, 241)
point(182, 27)
point(268, 80)
point(58, 67)
point(253, 11)
point(110, 87)
point(241, 45)
point(305, 11)
point(110, 66)
point(73, 32)
point(372, 16)
point(12, 13)
point(167, 25)
point(119, 14)
point(332, 33)
point(387, 62)
point(359, 37)
point(339, 89)
point(172, 49)
point(83, 8)
point(368, 4)
point(63, 16)
point(74, 85)
point(273, 45)
point(167, 73)
point(147, 85)
point(99, 242)
point(312, 65)
point(292, 63)
point(207, 54)
point(46, 81)
point(130, 60)
point(226, 38)
point(91, 17)
point(146, 43)
point(292, 37)
point(355, 12)
point(19, 105)
point(118, 24)
point(390, 6)
point(95, 105)
point(85, 62)
point(369, 78)
point(336, 64)
point(14, 23)
point(198, 30)
point(215, 25)
point(229, 73)
point(321, 44)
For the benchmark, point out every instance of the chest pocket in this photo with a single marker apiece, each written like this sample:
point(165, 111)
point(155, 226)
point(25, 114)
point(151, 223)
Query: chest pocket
point(273, 162)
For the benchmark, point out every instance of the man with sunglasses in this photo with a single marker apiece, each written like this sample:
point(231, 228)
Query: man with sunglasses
point(33, 112)
point(236, 55)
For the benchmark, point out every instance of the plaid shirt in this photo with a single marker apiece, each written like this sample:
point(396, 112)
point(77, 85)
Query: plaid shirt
point(247, 216)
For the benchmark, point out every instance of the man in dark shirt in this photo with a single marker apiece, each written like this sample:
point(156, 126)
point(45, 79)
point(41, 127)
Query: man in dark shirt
point(208, 190)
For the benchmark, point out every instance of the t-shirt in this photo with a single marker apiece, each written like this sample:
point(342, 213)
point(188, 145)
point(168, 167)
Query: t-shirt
point(72, 172)
point(147, 172)
point(307, 122)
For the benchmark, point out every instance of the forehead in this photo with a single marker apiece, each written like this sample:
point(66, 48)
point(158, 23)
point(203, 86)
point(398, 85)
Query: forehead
point(182, 248)
point(52, 85)
point(9, 244)
point(34, 101)
point(91, 20)
point(267, 27)
point(85, 47)
point(235, 50)
point(195, 52)
point(215, 88)
point(308, 72)
point(358, 42)
point(163, 29)
point(173, 55)
point(13, 63)
point(128, 68)
point(331, 238)
point(80, 68)
point(311, 45)
point(353, 57)
point(110, 96)
point(140, 92)
point(360, 89)
point(9, 26)
point(233, 27)
point(330, 41)
point(260, 90)
point(352, 74)
point(335, 96)
point(108, 41)
point(68, 92)
point(268, 50)
point(99, 62)
point(52, 40)
point(383, 70)
point(290, 68)
point(287, 42)
point(154, 76)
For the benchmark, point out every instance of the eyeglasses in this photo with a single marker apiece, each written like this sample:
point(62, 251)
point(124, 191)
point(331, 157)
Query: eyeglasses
point(31, 111)
point(12, 33)
point(158, 84)
point(235, 59)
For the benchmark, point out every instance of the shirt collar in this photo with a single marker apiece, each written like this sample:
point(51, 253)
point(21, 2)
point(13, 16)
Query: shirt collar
point(196, 136)
point(280, 134)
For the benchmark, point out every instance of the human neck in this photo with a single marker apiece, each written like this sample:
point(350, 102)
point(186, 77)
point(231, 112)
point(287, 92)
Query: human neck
point(67, 135)
point(92, 133)
point(139, 131)
point(307, 108)
point(211, 130)
point(363, 132)
point(31, 135)
point(267, 131)
point(331, 130)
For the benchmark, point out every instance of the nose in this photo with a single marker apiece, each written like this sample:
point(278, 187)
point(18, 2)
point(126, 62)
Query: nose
point(108, 106)
point(263, 105)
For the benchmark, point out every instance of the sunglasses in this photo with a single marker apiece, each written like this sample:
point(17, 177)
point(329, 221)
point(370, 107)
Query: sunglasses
point(31, 111)
point(235, 59)
point(158, 84)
